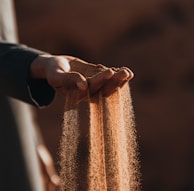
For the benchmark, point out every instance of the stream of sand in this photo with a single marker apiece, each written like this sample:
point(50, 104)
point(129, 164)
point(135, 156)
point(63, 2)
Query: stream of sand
point(98, 146)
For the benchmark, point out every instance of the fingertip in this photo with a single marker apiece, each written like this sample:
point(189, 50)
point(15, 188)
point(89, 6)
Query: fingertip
point(130, 74)
point(109, 72)
point(55, 179)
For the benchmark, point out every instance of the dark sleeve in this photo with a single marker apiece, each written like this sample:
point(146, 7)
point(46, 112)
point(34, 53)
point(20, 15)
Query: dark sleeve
point(15, 63)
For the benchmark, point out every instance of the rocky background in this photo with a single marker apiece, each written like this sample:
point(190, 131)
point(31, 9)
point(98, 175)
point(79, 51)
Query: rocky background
point(156, 40)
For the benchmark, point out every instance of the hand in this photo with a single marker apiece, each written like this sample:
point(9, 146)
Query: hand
point(68, 74)
point(100, 77)
point(49, 176)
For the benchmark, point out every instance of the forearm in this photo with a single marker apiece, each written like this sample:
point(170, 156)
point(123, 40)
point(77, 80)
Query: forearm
point(15, 81)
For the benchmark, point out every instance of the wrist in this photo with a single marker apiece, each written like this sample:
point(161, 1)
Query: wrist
point(38, 66)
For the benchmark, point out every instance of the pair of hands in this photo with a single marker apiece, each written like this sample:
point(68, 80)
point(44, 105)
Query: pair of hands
point(68, 74)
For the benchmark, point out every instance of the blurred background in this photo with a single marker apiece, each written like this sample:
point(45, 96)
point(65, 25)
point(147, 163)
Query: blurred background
point(153, 38)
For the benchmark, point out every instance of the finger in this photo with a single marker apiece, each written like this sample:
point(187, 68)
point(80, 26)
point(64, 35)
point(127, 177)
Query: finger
point(74, 87)
point(130, 73)
point(83, 67)
point(118, 80)
point(72, 80)
point(96, 82)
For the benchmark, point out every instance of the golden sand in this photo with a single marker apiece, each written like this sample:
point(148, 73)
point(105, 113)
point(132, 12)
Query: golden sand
point(98, 146)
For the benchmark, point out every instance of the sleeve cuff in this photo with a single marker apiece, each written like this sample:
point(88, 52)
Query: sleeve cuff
point(14, 73)
point(41, 93)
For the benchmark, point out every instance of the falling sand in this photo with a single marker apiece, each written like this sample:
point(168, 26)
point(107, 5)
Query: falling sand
point(98, 146)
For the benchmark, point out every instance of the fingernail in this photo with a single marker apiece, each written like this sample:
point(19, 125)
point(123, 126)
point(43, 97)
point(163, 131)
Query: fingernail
point(81, 85)
point(131, 74)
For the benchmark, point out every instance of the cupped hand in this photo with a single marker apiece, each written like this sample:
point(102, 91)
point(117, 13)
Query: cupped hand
point(68, 75)
point(99, 77)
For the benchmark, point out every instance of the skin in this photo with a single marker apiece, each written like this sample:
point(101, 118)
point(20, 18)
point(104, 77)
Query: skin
point(68, 74)
point(49, 175)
